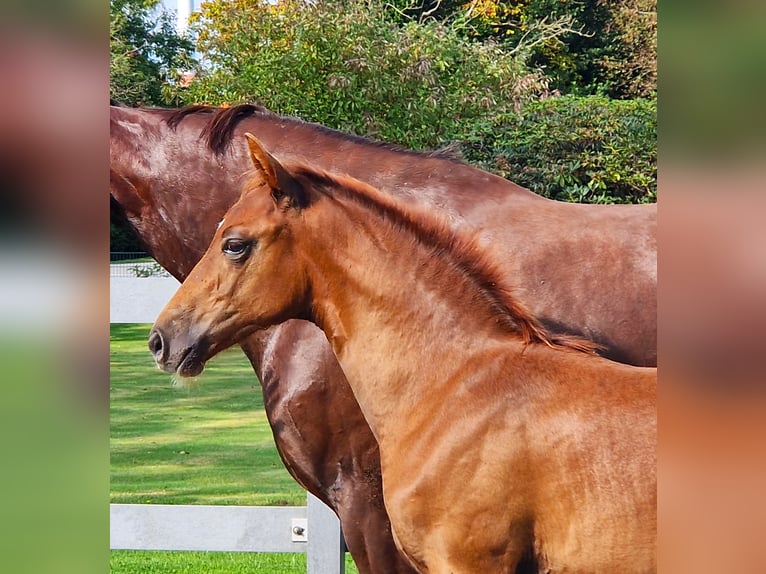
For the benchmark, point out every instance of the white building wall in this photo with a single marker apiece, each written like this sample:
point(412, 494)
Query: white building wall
point(184, 10)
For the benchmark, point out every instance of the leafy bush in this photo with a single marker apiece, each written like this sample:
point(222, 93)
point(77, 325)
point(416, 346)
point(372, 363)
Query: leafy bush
point(588, 149)
point(612, 52)
point(122, 238)
point(149, 270)
point(145, 52)
point(350, 66)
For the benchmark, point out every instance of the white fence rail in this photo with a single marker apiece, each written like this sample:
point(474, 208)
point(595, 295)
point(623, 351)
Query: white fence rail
point(313, 529)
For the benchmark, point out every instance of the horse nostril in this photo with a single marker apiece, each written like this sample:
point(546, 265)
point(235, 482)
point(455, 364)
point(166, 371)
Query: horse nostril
point(156, 344)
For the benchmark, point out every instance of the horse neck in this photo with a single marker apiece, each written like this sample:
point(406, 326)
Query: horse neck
point(403, 322)
point(414, 177)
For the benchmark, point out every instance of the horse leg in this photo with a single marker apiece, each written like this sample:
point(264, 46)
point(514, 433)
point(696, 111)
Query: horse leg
point(366, 527)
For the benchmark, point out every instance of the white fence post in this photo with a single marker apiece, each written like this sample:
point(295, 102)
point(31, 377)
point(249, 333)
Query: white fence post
point(326, 549)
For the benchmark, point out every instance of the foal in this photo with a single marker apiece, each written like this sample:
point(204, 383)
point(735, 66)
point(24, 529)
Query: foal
point(496, 438)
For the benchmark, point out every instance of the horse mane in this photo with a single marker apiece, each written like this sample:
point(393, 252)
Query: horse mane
point(459, 249)
point(177, 116)
point(219, 130)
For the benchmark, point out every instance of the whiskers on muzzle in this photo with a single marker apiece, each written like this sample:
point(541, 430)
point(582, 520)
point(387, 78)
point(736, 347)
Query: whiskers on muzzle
point(180, 382)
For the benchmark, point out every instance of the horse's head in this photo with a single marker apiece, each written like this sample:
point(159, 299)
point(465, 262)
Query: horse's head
point(248, 279)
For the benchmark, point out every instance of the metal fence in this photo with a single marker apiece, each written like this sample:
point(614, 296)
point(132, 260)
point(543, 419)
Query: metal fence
point(134, 264)
point(313, 529)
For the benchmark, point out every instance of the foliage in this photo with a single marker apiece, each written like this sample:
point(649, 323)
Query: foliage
point(615, 53)
point(588, 149)
point(145, 52)
point(570, 62)
point(122, 237)
point(631, 67)
point(148, 270)
point(348, 65)
point(585, 46)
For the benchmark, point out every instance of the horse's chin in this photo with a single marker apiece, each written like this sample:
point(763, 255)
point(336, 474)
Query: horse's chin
point(190, 366)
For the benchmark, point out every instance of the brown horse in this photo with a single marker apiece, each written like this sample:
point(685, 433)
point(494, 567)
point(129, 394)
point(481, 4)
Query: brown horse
point(496, 438)
point(584, 269)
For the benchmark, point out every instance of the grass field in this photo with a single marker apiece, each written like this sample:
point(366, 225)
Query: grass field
point(139, 562)
point(207, 444)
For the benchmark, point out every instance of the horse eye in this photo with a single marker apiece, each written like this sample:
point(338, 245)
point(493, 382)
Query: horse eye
point(236, 248)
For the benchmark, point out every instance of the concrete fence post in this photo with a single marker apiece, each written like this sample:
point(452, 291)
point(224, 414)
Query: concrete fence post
point(326, 549)
point(313, 529)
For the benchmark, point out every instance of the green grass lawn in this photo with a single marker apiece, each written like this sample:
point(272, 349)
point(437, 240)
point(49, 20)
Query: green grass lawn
point(125, 562)
point(141, 562)
point(205, 444)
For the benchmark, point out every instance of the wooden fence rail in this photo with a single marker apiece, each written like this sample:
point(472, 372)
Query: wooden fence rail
point(313, 529)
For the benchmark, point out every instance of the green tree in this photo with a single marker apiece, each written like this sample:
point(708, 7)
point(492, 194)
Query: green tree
point(146, 53)
point(586, 149)
point(612, 50)
point(630, 69)
point(585, 46)
point(351, 65)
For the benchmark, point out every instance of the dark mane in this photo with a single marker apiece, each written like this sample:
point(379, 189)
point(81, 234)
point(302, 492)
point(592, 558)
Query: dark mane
point(459, 249)
point(177, 116)
point(219, 131)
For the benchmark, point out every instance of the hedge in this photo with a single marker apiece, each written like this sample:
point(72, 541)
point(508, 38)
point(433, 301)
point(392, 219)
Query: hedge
point(581, 149)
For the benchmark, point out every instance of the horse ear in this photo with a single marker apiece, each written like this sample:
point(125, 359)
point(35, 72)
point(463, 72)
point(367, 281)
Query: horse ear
point(284, 188)
point(263, 161)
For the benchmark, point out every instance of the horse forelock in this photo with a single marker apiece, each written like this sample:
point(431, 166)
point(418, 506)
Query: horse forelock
point(457, 248)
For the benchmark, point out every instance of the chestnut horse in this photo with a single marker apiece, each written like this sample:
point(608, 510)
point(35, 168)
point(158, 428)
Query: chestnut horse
point(588, 270)
point(496, 438)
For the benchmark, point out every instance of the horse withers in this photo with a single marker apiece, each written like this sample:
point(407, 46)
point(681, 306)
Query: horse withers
point(497, 439)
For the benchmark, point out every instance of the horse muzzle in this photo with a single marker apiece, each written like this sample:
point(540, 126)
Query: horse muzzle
point(174, 355)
